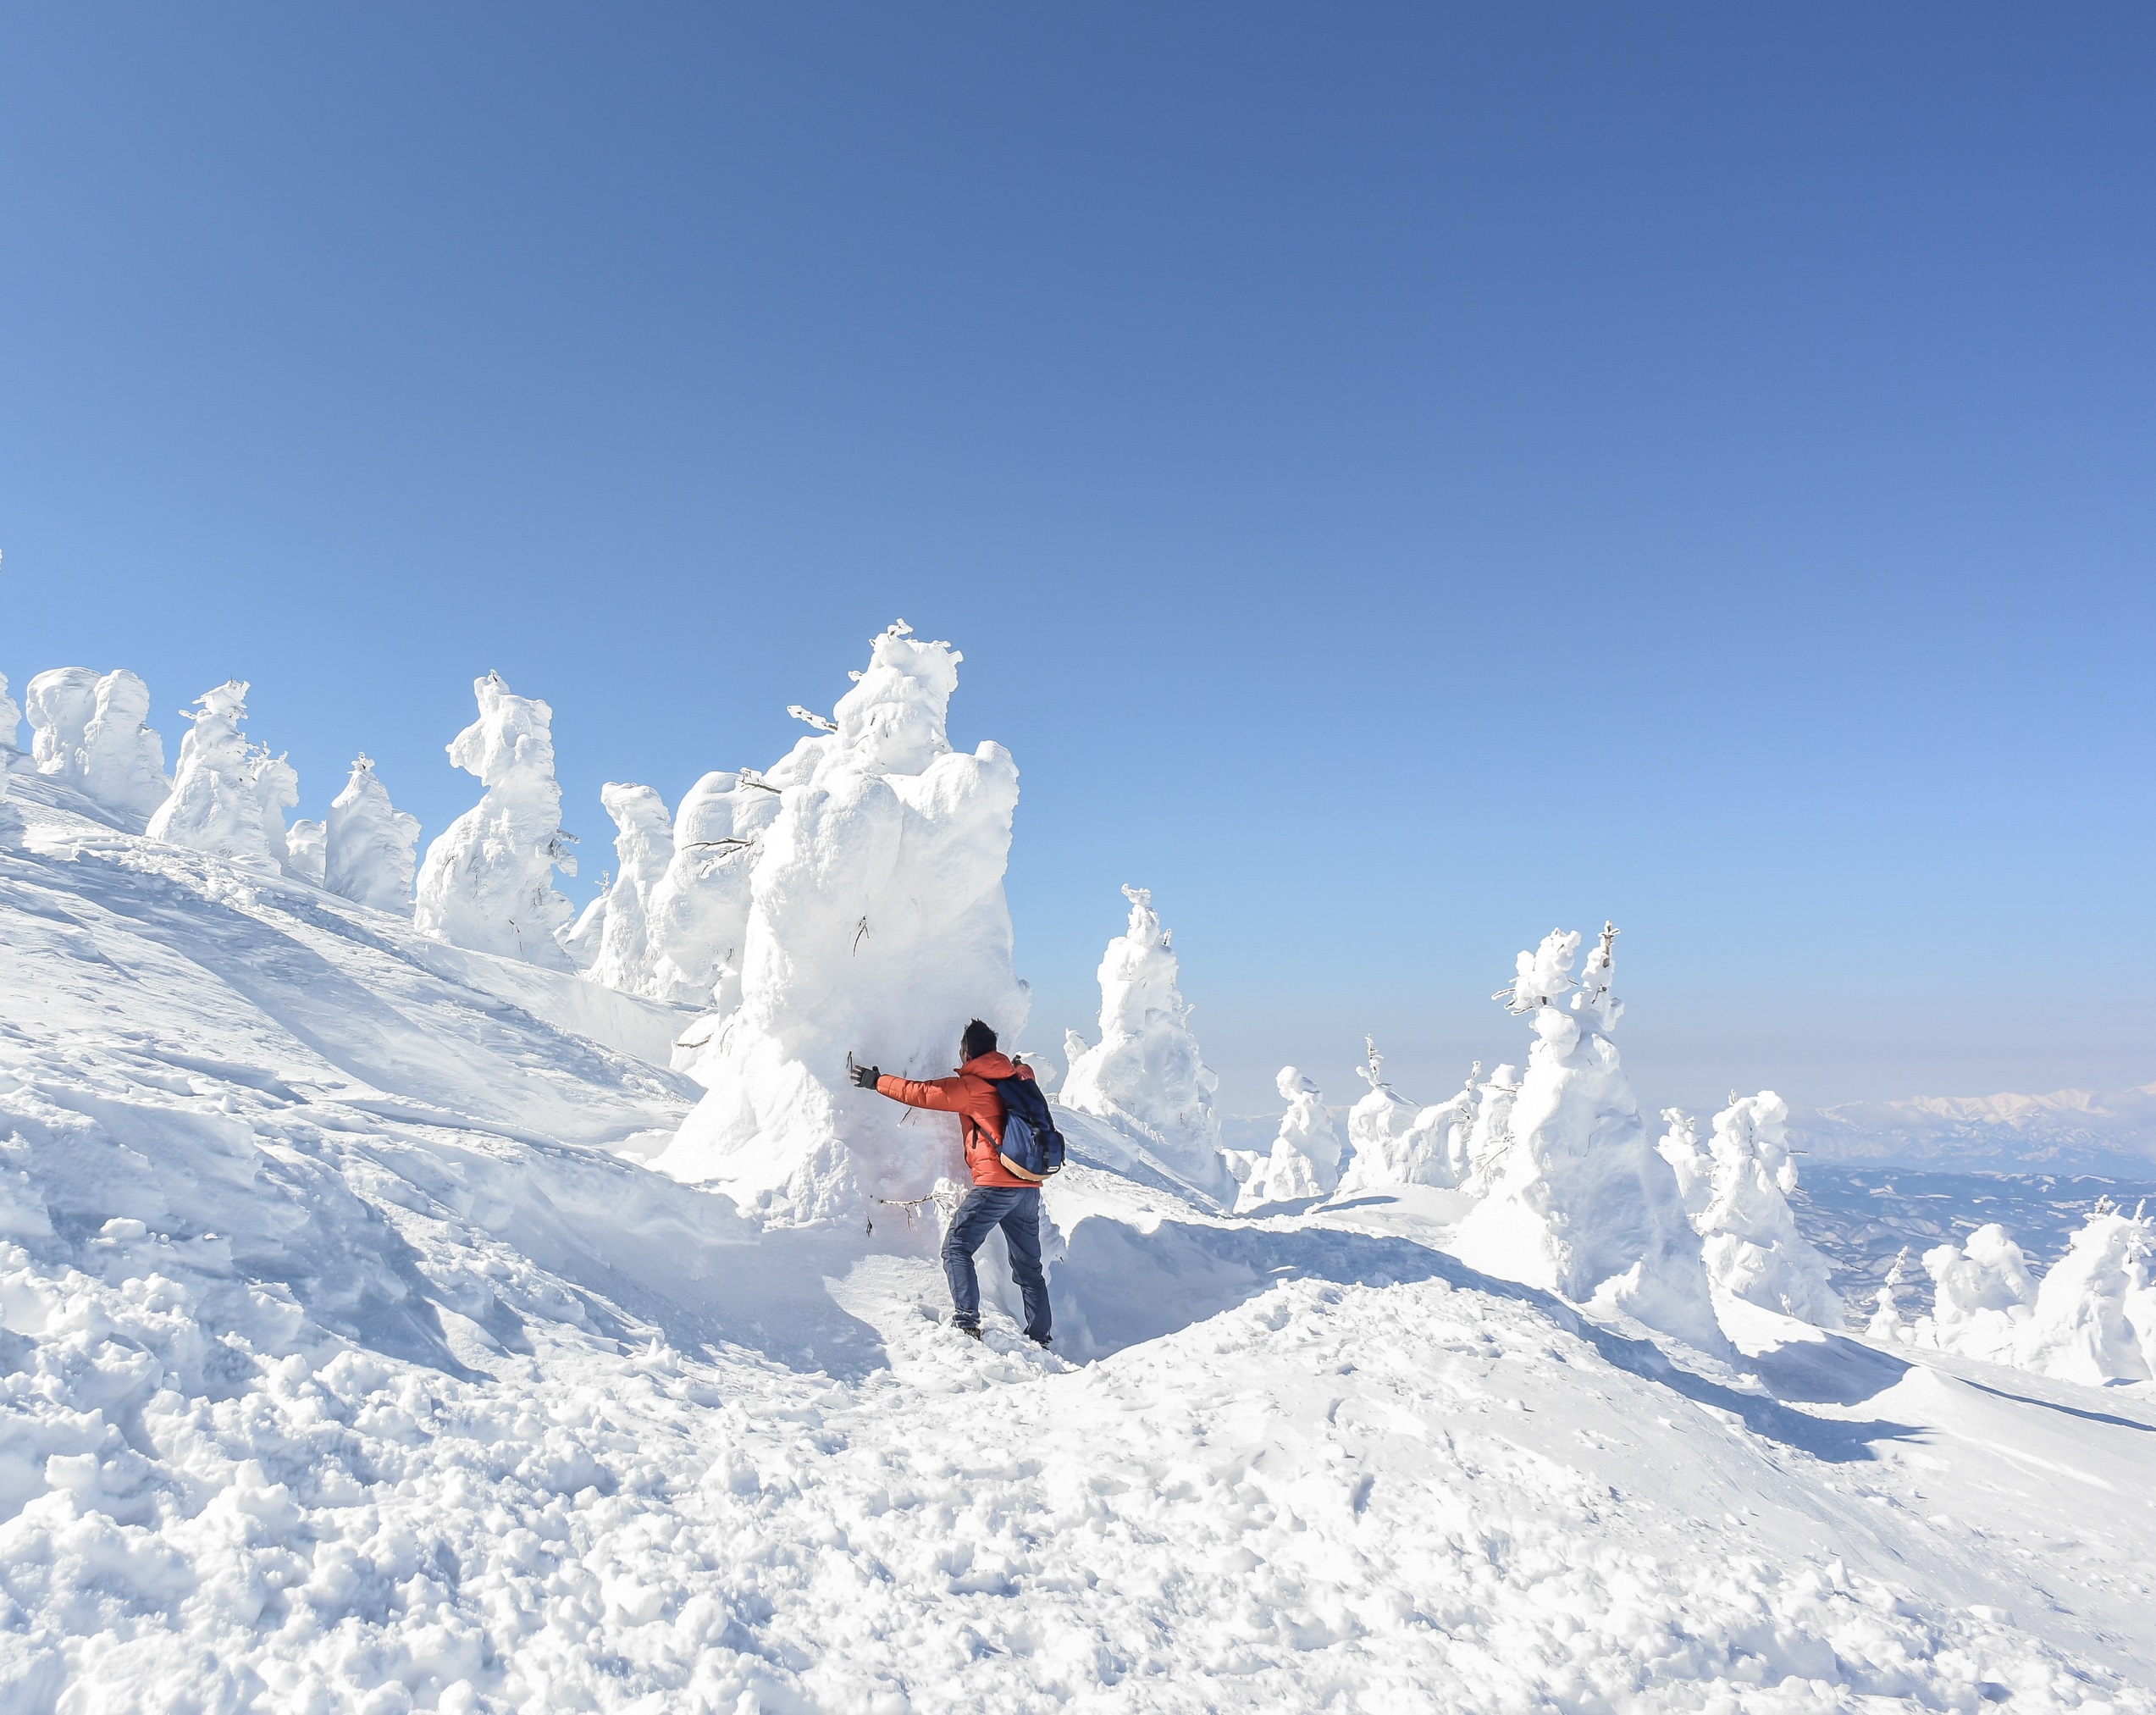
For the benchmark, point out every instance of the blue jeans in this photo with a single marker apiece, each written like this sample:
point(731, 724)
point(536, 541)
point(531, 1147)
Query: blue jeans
point(1017, 1210)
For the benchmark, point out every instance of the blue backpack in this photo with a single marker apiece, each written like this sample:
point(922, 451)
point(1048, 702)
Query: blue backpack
point(1032, 1147)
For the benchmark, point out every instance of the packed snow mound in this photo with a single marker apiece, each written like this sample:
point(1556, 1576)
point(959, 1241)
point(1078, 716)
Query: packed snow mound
point(877, 926)
point(229, 794)
point(370, 846)
point(1304, 1161)
point(488, 882)
point(1145, 1072)
point(350, 1366)
point(1580, 1202)
point(1736, 1191)
point(92, 732)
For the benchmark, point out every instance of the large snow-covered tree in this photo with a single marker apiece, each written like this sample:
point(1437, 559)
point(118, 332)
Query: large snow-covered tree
point(92, 732)
point(1579, 1201)
point(1753, 1248)
point(644, 847)
point(1304, 1161)
point(488, 882)
point(876, 926)
point(1146, 1071)
point(369, 846)
point(229, 795)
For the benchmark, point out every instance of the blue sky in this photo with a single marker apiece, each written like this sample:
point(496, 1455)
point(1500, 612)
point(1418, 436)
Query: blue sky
point(1402, 477)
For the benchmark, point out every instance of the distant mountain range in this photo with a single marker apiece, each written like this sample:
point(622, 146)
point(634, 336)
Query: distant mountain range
point(2066, 1131)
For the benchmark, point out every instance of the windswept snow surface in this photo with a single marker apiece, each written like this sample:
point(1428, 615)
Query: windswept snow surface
point(353, 1362)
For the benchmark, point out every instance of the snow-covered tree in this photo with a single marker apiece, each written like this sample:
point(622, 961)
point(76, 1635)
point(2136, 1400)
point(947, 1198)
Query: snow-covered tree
point(1580, 1202)
point(700, 907)
point(1753, 1249)
point(876, 926)
point(11, 720)
point(1982, 1296)
point(1146, 1071)
point(1491, 1133)
point(1395, 1143)
point(1887, 1322)
point(1378, 1123)
point(644, 848)
point(306, 853)
point(2094, 1318)
point(1305, 1158)
point(229, 795)
point(92, 732)
point(488, 882)
point(370, 846)
point(1690, 1159)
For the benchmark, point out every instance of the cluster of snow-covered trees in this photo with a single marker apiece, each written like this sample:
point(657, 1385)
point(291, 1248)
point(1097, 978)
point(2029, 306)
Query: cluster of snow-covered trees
point(2092, 1319)
point(226, 794)
point(850, 900)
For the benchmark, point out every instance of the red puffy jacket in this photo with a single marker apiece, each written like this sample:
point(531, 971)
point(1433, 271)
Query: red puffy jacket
point(973, 1098)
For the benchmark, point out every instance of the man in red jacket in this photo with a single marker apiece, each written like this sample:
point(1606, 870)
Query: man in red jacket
point(999, 1197)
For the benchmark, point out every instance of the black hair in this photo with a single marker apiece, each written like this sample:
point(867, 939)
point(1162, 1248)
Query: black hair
point(977, 1041)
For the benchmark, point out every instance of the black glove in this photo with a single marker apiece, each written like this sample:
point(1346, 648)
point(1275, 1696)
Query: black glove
point(866, 1076)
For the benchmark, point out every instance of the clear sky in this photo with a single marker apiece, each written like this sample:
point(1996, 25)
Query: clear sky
point(1401, 476)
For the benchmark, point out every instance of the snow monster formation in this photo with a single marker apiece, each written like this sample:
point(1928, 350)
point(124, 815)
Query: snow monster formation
point(1736, 1192)
point(369, 846)
point(1305, 1158)
point(488, 882)
point(92, 732)
point(621, 952)
point(11, 718)
point(1145, 1073)
point(1395, 1142)
point(876, 926)
point(2094, 1318)
point(2091, 1319)
point(228, 796)
point(1579, 1203)
point(673, 923)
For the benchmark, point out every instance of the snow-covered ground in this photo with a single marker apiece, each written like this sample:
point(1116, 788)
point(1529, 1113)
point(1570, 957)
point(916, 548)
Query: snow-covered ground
point(356, 1361)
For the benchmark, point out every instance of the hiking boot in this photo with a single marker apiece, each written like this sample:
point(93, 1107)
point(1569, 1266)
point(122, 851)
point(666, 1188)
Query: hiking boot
point(969, 1329)
point(1039, 1340)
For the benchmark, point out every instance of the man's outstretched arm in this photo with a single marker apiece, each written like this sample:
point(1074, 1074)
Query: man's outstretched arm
point(943, 1094)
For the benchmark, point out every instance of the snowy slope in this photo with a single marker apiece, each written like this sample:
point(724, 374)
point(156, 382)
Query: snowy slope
point(354, 1362)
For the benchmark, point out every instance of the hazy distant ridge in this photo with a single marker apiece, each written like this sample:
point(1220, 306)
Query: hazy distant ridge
point(2068, 1131)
